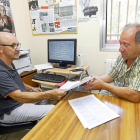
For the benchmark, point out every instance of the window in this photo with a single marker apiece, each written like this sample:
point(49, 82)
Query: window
point(115, 14)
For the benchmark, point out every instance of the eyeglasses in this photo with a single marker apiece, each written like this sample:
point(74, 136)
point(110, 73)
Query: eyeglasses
point(2, 10)
point(14, 46)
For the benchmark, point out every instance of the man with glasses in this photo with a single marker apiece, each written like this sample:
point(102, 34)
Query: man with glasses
point(16, 104)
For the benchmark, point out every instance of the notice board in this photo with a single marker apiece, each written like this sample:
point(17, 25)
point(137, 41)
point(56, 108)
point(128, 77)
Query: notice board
point(53, 16)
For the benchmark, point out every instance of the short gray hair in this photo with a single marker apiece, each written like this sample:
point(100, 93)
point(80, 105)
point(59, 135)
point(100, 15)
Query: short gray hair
point(137, 37)
point(137, 34)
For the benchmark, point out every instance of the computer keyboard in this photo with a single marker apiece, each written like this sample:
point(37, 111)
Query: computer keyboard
point(49, 77)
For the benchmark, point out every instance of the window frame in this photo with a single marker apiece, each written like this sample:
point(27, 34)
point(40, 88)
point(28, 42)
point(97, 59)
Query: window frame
point(103, 25)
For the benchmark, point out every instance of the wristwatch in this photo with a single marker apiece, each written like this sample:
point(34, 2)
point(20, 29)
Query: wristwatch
point(31, 89)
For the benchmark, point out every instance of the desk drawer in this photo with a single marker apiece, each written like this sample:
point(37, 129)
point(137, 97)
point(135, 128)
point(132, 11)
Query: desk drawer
point(27, 78)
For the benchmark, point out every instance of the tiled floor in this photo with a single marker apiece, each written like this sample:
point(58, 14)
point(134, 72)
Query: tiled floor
point(15, 136)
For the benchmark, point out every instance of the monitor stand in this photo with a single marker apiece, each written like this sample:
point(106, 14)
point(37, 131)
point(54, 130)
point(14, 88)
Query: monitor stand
point(61, 66)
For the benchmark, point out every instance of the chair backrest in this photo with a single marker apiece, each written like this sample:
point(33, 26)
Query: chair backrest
point(6, 128)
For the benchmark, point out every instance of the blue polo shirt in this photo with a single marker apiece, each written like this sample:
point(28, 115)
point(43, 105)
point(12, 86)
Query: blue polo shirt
point(10, 81)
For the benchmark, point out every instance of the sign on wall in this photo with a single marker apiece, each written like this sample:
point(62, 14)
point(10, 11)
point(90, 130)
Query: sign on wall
point(88, 10)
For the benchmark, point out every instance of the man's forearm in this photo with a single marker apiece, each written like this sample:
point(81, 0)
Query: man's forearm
point(28, 87)
point(28, 97)
point(124, 92)
point(106, 78)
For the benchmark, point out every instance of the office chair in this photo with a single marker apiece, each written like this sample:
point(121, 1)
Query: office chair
point(6, 128)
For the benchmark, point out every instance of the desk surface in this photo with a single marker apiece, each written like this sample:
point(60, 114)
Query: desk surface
point(66, 71)
point(61, 71)
point(61, 123)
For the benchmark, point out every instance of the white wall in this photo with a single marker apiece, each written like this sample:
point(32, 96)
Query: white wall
point(87, 39)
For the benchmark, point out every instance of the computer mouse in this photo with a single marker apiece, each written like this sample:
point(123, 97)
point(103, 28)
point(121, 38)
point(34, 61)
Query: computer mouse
point(77, 69)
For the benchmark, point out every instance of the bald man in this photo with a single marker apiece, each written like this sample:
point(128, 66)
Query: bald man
point(16, 104)
point(126, 72)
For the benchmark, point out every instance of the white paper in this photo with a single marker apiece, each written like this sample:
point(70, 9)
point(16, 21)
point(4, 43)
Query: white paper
point(72, 84)
point(67, 2)
point(47, 16)
point(68, 16)
point(34, 14)
point(44, 2)
point(43, 66)
point(91, 111)
point(55, 7)
point(41, 2)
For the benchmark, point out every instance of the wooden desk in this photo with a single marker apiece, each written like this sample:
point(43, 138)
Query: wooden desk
point(61, 71)
point(27, 78)
point(66, 71)
point(61, 123)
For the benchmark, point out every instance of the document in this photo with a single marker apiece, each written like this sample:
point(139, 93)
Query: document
point(43, 66)
point(91, 111)
point(73, 84)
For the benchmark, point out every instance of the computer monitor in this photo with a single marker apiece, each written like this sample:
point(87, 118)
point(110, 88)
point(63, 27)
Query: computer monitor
point(62, 51)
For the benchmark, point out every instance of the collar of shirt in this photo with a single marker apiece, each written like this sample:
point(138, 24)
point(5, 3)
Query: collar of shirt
point(5, 66)
point(136, 62)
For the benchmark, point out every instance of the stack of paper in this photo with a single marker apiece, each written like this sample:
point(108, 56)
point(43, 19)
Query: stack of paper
point(91, 111)
point(43, 66)
point(72, 84)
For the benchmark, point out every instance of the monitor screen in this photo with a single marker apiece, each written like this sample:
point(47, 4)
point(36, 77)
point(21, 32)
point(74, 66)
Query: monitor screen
point(62, 51)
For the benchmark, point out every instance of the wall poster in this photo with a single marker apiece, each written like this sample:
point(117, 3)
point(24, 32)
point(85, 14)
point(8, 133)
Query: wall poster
point(88, 10)
point(6, 20)
point(53, 16)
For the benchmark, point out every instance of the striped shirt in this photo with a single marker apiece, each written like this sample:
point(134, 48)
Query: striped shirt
point(124, 77)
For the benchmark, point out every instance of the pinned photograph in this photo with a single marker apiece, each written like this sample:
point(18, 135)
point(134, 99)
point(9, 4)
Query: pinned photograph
point(6, 21)
point(44, 27)
point(33, 5)
point(42, 15)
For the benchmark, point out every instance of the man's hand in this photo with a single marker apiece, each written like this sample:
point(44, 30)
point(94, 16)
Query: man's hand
point(94, 84)
point(37, 89)
point(86, 79)
point(58, 93)
point(6, 30)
